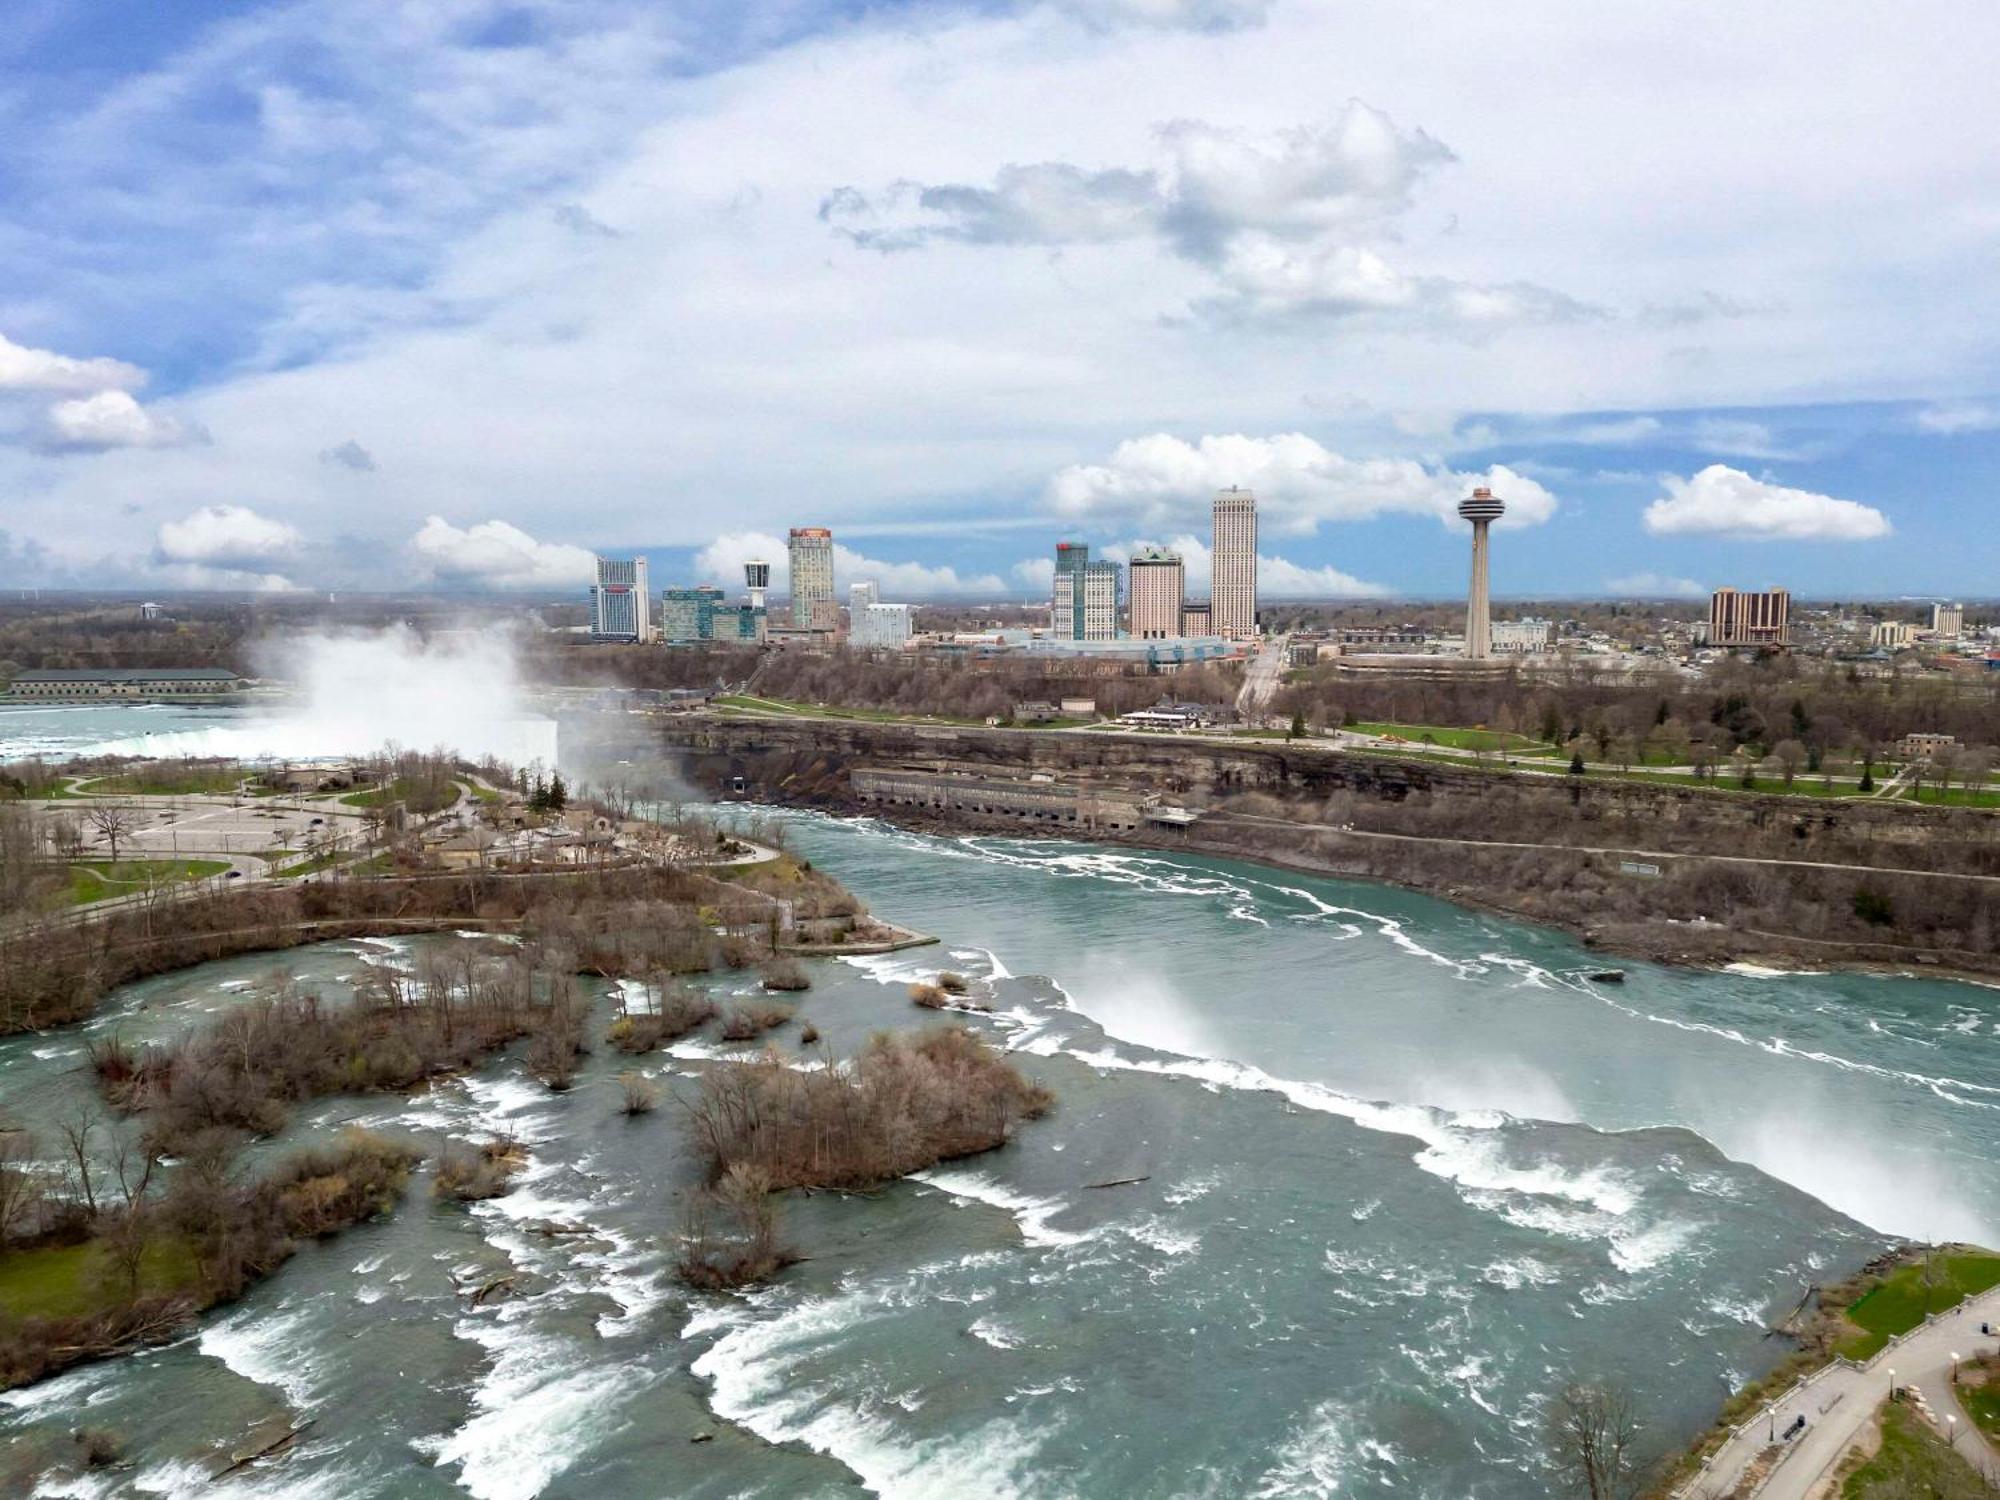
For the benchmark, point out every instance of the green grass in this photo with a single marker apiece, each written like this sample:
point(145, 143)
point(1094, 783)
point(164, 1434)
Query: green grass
point(95, 880)
point(354, 863)
point(1982, 1402)
point(167, 781)
point(72, 1281)
point(1901, 1301)
point(1913, 1460)
point(485, 794)
point(404, 791)
point(1958, 796)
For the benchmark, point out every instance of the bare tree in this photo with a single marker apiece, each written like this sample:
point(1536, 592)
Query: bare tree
point(112, 823)
point(76, 1127)
point(1592, 1434)
point(1791, 758)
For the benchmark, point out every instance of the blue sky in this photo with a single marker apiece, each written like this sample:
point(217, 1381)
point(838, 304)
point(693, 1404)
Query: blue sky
point(349, 294)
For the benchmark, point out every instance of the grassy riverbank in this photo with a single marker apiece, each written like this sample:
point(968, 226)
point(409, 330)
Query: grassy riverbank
point(1901, 1300)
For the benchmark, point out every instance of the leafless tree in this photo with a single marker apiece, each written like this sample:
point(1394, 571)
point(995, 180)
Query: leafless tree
point(112, 823)
point(1791, 757)
point(1593, 1434)
point(77, 1126)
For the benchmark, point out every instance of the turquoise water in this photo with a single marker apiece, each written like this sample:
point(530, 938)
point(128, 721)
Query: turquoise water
point(1406, 1171)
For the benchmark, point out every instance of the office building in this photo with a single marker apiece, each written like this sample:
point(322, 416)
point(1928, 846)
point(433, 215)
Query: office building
point(811, 555)
point(691, 616)
point(1195, 618)
point(1948, 621)
point(1233, 561)
point(1157, 589)
point(1521, 637)
point(1482, 508)
point(879, 627)
point(621, 600)
point(861, 595)
point(1085, 606)
point(1736, 618)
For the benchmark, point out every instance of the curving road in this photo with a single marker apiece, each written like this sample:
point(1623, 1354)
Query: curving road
point(1839, 1405)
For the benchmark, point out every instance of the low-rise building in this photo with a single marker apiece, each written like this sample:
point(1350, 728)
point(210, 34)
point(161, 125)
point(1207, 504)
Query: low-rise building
point(126, 682)
point(1920, 746)
point(1891, 635)
point(877, 626)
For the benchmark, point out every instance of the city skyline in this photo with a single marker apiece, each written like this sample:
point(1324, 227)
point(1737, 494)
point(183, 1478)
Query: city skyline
point(236, 328)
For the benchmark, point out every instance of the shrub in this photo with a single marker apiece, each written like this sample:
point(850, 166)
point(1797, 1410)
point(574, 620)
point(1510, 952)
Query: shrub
point(486, 1171)
point(638, 1095)
point(1873, 906)
point(951, 984)
point(97, 1448)
point(746, 1023)
point(678, 1012)
point(929, 996)
point(785, 974)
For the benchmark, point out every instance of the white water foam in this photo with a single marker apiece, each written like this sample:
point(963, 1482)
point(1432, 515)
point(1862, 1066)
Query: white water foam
point(1032, 1214)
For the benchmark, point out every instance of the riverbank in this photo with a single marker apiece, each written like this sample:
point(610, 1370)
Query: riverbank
point(1650, 872)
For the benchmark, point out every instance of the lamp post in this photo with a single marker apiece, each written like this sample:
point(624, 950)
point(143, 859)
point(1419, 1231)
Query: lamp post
point(1951, 1426)
point(1954, 1368)
point(1892, 1383)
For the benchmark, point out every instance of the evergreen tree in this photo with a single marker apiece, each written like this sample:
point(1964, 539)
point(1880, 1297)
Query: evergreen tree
point(558, 794)
point(1576, 763)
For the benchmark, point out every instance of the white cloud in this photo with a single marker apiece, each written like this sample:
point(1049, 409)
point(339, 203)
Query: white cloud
point(1723, 501)
point(1617, 432)
point(1299, 483)
point(1957, 417)
point(494, 554)
point(1037, 575)
point(1654, 586)
point(112, 419)
point(25, 369)
point(721, 563)
point(225, 536)
point(1277, 577)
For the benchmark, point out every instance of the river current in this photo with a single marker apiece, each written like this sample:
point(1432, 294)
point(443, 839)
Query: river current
point(1406, 1169)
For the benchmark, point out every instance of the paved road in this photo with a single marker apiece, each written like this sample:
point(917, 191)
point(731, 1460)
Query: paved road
point(1260, 682)
point(1840, 1403)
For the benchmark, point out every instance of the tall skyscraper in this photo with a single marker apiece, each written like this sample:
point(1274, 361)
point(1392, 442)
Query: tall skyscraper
point(1085, 607)
point(1233, 558)
point(621, 600)
point(1066, 618)
point(1736, 618)
point(1159, 583)
point(811, 552)
point(1482, 508)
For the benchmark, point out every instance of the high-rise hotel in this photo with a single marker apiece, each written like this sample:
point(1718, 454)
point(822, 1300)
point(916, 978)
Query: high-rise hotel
point(1084, 606)
point(1158, 585)
point(1233, 558)
point(811, 554)
point(620, 601)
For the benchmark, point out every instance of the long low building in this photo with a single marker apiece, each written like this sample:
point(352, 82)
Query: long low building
point(126, 682)
point(1031, 801)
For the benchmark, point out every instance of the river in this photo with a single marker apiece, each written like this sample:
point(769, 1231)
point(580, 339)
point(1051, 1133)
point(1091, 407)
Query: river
point(1406, 1171)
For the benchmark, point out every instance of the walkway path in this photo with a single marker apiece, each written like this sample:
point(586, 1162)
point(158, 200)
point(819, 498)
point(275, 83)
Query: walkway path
point(1261, 679)
point(1841, 1400)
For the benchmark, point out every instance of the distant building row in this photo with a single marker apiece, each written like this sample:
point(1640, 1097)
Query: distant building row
point(1084, 604)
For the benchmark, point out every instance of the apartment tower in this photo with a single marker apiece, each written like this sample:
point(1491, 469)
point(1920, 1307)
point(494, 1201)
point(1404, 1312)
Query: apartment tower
point(1233, 559)
point(1736, 618)
point(1158, 585)
point(811, 553)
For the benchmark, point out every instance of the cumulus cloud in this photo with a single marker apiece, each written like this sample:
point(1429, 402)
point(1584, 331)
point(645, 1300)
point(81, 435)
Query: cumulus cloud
point(1722, 501)
point(25, 369)
point(112, 419)
point(225, 536)
point(1957, 417)
point(721, 563)
point(349, 455)
point(494, 554)
point(1654, 586)
point(1283, 222)
point(1299, 483)
point(1037, 575)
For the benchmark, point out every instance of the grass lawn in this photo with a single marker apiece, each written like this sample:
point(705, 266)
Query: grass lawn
point(1958, 796)
point(75, 1280)
point(405, 791)
point(1913, 1460)
point(373, 865)
point(98, 879)
point(1902, 1300)
point(1983, 1402)
point(167, 781)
